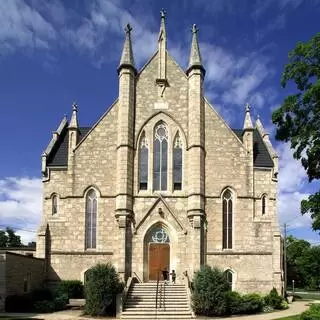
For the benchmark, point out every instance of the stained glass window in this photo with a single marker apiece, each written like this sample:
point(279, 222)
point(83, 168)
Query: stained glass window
point(143, 166)
point(91, 220)
point(54, 204)
point(227, 220)
point(158, 235)
point(160, 157)
point(177, 163)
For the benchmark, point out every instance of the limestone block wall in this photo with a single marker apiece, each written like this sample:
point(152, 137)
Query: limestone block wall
point(72, 266)
point(251, 272)
point(95, 160)
point(174, 100)
point(226, 162)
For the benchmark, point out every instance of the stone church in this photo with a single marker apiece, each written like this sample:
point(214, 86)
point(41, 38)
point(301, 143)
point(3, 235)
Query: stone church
point(161, 181)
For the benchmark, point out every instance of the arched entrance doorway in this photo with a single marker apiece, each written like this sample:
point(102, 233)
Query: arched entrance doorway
point(158, 251)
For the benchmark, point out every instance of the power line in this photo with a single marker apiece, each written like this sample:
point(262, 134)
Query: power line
point(17, 228)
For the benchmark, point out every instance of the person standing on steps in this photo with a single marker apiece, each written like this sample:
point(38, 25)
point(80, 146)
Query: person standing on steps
point(173, 277)
point(165, 274)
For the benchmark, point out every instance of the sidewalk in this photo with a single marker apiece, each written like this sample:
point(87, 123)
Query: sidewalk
point(295, 308)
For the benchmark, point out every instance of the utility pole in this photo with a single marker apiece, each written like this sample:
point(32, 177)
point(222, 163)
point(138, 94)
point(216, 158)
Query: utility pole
point(285, 259)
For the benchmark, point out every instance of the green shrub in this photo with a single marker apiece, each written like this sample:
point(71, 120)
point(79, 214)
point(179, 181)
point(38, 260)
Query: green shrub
point(60, 302)
point(101, 288)
point(313, 313)
point(210, 287)
point(72, 288)
point(251, 303)
point(41, 294)
point(44, 306)
point(18, 303)
point(274, 300)
point(233, 302)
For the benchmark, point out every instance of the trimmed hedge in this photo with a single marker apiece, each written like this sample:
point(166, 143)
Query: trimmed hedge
point(19, 303)
point(74, 289)
point(101, 287)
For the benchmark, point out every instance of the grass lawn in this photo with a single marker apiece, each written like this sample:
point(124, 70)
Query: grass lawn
point(307, 296)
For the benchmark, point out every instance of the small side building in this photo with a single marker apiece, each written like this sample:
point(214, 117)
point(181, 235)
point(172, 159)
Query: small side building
point(20, 273)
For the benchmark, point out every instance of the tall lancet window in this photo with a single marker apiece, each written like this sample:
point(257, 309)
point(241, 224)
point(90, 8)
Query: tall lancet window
point(263, 203)
point(91, 219)
point(227, 211)
point(177, 163)
point(143, 163)
point(160, 157)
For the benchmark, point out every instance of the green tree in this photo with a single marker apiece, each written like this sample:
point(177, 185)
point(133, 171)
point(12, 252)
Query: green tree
point(298, 119)
point(8, 238)
point(308, 265)
point(296, 248)
point(3, 239)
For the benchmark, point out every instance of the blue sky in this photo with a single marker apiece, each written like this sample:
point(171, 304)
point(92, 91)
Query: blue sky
point(55, 52)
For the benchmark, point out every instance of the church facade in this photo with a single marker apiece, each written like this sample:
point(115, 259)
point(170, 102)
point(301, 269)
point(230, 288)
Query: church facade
point(161, 181)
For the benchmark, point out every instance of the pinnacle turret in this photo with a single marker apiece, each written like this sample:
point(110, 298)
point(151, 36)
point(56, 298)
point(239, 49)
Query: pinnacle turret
point(247, 120)
point(195, 61)
point(74, 119)
point(127, 60)
point(162, 50)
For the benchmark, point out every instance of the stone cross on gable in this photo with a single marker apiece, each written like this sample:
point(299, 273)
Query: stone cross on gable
point(248, 107)
point(128, 29)
point(163, 13)
point(74, 106)
point(194, 28)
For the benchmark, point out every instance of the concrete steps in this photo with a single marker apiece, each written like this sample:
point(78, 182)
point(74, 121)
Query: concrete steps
point(172, 302)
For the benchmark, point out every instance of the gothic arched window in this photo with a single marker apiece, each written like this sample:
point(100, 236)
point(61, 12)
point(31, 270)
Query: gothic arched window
point(54, 204)
point(229, 276)
point(227, 210)
point(143, 163)
point(263, 204)
point(160, 157)
point(91, 220)
point(177, 163)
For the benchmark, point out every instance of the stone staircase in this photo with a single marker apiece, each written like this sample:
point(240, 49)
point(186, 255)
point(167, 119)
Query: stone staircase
point(172, 302)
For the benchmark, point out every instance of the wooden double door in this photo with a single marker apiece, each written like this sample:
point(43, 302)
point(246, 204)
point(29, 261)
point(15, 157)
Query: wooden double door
point(159, 259)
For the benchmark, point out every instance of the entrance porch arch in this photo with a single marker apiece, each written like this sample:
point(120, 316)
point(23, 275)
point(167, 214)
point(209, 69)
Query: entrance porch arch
point(159, 251)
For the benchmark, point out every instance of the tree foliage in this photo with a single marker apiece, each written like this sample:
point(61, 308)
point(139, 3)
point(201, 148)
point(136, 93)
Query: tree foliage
point(8, 238)
point(303, 263)
point(298, 119)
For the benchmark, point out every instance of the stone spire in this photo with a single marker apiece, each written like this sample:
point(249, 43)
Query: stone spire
point(74, 119)
point(162, 48)
point(195, 61)
point(127, 60)
point(247, 120)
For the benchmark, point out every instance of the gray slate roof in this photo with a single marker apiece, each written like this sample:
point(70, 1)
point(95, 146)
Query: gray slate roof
point(59, 155)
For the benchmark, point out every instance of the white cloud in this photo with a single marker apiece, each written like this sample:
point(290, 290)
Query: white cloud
point(21, 26)
point(289, 210)
point(238, 79)
point(21, 205)
point(292, 176)
point(292, 183)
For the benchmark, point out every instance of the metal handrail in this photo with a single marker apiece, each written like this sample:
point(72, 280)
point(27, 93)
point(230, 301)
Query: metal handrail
point(157, 290)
